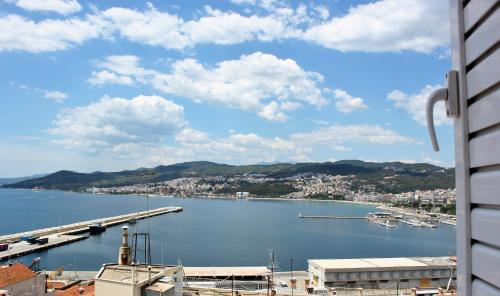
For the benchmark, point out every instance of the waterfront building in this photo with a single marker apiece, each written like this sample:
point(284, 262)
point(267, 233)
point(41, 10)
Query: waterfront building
point(380, 273)
point(243, 194)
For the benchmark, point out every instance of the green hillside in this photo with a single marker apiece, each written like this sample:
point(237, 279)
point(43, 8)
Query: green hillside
point(408, 176)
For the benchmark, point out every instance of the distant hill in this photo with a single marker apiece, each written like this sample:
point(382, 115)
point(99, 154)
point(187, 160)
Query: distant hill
point(411, 176)
point(4, 181)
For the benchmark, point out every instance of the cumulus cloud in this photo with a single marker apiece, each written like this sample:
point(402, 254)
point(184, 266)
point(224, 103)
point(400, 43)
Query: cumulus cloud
point(386, 25)
point(59, 6)
point(259, 82)
point(381, 26)
point(106, 77)
point(20, 33)
point(152, 130)
point(189, 135)
point(414, 105)
point(249, 148)
point(303, 146)
point(363, 133)
point(346, 103)
point(55, 95)
point(113, 122)
point(150, 27)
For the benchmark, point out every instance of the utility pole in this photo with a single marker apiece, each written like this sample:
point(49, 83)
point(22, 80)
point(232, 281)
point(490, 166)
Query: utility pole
point(75, 261)
point(232, 285)
point(292, 281)
point(162, 246)
point(273, 266)
point(147, 209)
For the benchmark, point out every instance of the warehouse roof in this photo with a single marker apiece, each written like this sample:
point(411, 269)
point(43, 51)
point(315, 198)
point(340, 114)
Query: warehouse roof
point(225, 271)
point(381, 263)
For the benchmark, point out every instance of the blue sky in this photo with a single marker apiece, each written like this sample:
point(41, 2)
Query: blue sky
point(111, 85)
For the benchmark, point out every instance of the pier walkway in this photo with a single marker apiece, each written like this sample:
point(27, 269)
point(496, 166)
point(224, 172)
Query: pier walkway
point(22, 248)
point(68, 233)
point(331, 217)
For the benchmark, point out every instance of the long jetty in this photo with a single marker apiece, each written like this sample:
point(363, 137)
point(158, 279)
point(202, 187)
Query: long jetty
point(331, 217)
point(69, 233)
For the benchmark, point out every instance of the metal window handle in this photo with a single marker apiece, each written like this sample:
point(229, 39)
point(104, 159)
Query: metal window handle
point(449, 95)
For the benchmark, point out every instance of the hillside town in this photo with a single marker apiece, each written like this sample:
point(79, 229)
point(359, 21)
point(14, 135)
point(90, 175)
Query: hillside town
point(300, 186)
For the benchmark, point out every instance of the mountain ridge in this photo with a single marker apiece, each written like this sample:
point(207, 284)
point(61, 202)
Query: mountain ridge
point(70, 180)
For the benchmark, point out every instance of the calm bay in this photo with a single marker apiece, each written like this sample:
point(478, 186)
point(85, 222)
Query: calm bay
point(214, 232)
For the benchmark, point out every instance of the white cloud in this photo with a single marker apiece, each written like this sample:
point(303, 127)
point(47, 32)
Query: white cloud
point(259, 82)
point(150, 130)
point(113, 122)
point(59, 6)
point(427, 159)
point(346, 103)
point(124, 65)
point(20, 33)
point(272, 112)
point(252, 148)
point(386, 25)
point(189, 135)
point(55, 95)
point(415, 105)
point(106, 77)
point(364, 133)
point(231, 28)
point(150, 27)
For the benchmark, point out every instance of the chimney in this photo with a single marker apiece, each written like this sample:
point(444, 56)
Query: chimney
point(124, 252)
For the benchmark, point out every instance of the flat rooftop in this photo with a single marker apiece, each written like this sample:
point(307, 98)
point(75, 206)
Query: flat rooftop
point(123, 273)
point(225, 271)
point(382, 263)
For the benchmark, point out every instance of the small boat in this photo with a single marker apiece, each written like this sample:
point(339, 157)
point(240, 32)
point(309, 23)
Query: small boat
point(32, 240)
point(42, 241)
point(96, 228)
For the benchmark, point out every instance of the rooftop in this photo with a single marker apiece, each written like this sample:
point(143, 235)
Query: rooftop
point(88, 290)
point(11, 274)
point(225, 271)
point(382, 263)
point(123, 273)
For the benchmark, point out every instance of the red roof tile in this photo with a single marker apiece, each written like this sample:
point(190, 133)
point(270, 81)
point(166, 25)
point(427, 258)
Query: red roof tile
point(74, 291)
point(15, 273)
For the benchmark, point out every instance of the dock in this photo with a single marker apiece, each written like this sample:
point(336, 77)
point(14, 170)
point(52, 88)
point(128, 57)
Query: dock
point(331, 217)
point(22, 248)
point(69, 233)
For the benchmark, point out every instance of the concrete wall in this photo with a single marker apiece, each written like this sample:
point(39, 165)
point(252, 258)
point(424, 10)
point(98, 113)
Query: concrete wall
point(381, 279)
point(104, 288)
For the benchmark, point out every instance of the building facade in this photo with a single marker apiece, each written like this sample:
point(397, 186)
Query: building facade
point(381, 273)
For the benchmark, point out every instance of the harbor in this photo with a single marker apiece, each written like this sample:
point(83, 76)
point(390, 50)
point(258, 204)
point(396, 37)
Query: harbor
point(22, 243)
point(391, 218)
point(330, 217)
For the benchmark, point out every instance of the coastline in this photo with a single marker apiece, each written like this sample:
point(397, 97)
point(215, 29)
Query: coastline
point(370, 203)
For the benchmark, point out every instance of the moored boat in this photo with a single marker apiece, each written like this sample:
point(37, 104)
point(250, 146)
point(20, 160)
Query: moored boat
point(96, 228)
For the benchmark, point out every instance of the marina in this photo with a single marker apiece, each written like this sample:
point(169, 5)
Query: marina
point(387, 219)
point(330, 217)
